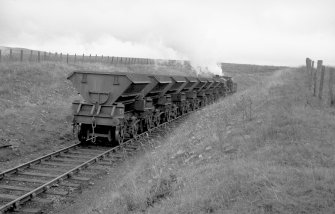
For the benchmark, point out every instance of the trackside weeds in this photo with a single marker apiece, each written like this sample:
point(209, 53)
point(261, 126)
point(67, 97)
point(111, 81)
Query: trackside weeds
point(277, 160)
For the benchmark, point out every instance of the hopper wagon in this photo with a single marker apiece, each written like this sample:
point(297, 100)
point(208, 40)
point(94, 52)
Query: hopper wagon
point(117, 106)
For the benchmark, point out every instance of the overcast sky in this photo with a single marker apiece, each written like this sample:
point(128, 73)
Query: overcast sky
point(277, 32)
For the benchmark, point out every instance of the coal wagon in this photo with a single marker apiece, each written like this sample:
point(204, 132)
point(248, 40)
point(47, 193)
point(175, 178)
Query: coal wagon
point(118, 106)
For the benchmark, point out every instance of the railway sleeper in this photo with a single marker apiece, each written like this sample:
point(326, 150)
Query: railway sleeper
point(69, 184)
point(59, 164)
point(37, 174)
point(90, 150)
point(89, 174)
point(76, 157)
point(67, 160)
point(8, 196)
point(56, 192)
point(16, 188)
point(26, 180)
point(48, 169)
point(83, 154)
point(110, 164)
point(79, 178)
point(29, 211)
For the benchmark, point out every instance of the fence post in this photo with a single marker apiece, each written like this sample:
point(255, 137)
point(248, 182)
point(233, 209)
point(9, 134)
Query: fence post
point(96, 57)
point(21, 55)
point(308, 64)
point(112, 59)
point(83, 58)
point(317, 70)
point(38, 56)
point(75, 58)
point(10, 54)
point(314, 78)
point(312, 68)
point(321, 81)
point(67, 58)
point(31, 56)
point(45, 56)
point(330, 85)
point(90, 58)
point(107, 59)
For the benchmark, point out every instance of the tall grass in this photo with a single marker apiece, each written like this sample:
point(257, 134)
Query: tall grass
point(279, 160)
point(35, 102)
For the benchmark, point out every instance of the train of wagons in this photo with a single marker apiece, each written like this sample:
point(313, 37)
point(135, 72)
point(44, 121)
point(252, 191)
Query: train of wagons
point(119, 106)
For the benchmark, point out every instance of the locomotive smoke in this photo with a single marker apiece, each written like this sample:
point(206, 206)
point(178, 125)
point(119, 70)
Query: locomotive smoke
point(257, 32)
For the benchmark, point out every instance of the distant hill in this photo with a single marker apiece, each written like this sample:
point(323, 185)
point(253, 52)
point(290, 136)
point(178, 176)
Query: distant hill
point(237, 68)
point(5, 50)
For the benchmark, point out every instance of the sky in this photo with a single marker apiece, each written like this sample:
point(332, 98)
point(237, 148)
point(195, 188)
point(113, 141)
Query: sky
point(268, 32)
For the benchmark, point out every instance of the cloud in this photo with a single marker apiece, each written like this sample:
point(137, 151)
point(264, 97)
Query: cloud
point(205, 32)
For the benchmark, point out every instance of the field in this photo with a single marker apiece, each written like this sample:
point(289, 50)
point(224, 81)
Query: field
point(35, 105)
point(267, 149)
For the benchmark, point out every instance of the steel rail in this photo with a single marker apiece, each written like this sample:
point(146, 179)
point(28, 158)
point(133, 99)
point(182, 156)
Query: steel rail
point(15, 204)
point(35, 161)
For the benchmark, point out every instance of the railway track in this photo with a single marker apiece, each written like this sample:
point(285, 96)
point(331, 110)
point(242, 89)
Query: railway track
point(55, 173)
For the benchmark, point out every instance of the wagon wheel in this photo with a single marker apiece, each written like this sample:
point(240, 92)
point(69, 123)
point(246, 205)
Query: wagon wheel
point(119, 135)
point(141, 126)
point(110, 137)
point(184, 109)
point(192, 106)
point(134, 130)
point(157, 120)
point(175, 112)
point(83, 134)
point(150, 122)
point(167, 116)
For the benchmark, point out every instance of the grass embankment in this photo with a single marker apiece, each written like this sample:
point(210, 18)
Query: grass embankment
point(267, 149)
point(35, 103)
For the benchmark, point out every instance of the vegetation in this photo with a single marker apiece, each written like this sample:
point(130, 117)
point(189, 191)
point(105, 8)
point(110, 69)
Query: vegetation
point(35, 103)
point(267, 149)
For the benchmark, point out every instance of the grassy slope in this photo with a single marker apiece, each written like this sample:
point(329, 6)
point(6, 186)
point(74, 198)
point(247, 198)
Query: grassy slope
point(35, 103)
point(277, 157)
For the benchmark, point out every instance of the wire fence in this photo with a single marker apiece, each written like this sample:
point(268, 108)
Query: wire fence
point(318, 80)
point(25, 55)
